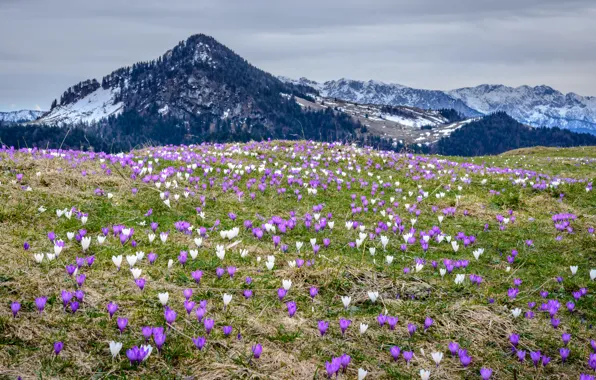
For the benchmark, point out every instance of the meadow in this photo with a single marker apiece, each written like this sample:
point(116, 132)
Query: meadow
point(297, 260)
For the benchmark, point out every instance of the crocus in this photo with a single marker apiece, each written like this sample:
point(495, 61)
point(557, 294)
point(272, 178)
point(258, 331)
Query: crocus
point(199, 342)
point(257, 349)
point(112, 308)
point(564, 353)
point(395, 351)
point(344, 324)
point(58, 346)
point(411, 328)
point(486, 373)
point(121, 322)
point(15, 307)
point(323, 326)
point(209, 323)
point(115, 348)
point(291, 308)
point(170, 315)
point(40, 303)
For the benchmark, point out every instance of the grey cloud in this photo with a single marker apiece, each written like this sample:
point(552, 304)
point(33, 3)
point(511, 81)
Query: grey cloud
point(49, 45)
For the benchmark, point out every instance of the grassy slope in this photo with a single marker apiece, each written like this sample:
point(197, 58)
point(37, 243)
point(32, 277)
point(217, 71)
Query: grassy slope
point(292, 346)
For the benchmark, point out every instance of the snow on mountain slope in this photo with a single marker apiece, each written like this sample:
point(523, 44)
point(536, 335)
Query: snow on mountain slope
point(539, 106)
point(375, 92)
point(20, 116)
point(91, 108)
point(398, 123)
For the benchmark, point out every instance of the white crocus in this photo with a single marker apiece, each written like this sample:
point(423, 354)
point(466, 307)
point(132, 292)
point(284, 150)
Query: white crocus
point(227, 298)
point(362, 373)
point(384, 241)
point(459, 278)
point(70, 235)
point(593, 274)
point(243, 253)
point(151, 237)
point(440, 217)
point(101, 239)
point(419, 267)
point(346, 301)
point(115, 348)
point(373, 296)
point(50, 256)
point(363, 328)
point(83, 219)
point(148, 349)
point(331, 224)
point(287, 284)
point(117, 260)
point(299, 245)
point(163, 236)
point(38, 257)
point(136, 272)
point(573, 269)
point(478, 252)
point(85, 242)
point(389, 259)
point(58, 248)
point(269, 265)
point(372, 251)
point(516, 312)
point(442, 272)
point(193, 253)
point(170, 263)
point(131, 259)
point(424, 374)
point(455, 246)
point(199, 241)
point(437, 357)
point(163, 298)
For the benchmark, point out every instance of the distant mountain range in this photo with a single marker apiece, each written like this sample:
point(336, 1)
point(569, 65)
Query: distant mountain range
point(539, 106)
point(20, 116)
point(200, 90)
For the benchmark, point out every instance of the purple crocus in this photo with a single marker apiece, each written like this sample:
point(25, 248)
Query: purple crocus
point(15, 307)
point(209, 323)
point(564, 352)
point(112, 308)
point(257, 350)
point(122, 322)
point(199, 342)
point(344, 324)
point(313, 292)
point(428, 322)
point(291, 308)
point(58, 346)
point(411, 328)
point(408, 355)
point(197, 275)
point(40, 303)
point(394, 351)
point(170, 315)
point(323, 326)
point(486, 373)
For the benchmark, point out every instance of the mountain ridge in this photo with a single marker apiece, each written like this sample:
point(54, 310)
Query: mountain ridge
point(538, 106)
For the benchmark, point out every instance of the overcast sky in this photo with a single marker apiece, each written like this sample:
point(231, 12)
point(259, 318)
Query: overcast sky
point(49, 45)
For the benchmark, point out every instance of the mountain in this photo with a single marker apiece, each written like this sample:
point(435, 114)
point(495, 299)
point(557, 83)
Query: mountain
point(402, 124)
point(198, 78)
point(498, 133)
point(375, 92)
point(539, 106)
point(20, 116)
